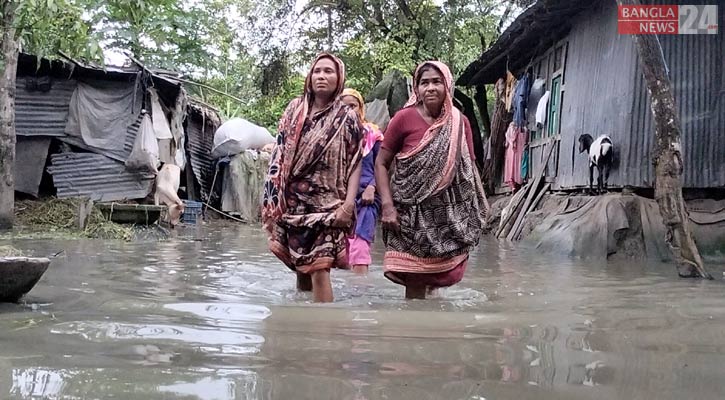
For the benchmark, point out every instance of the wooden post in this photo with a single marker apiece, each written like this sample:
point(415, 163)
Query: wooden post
point(494, 163)
point(668, 160)
point(8, 69)
point(85, 207)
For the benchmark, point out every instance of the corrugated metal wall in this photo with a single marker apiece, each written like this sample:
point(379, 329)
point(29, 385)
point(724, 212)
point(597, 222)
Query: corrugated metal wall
point(200, 142)
point(696, 64)
point(605, 93)
point(98, 177)
point(40, 113)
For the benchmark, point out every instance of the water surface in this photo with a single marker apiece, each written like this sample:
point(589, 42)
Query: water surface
point(211, 315)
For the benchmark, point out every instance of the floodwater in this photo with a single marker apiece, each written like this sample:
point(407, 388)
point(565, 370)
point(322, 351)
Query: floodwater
point(211, 315)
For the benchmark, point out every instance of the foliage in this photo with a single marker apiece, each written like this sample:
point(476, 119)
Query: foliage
point(377, 36)
point(256, 51)
point(45, 27)
point(267, 111)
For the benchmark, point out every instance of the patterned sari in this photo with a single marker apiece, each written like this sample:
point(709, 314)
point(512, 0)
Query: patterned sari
point(439, 198)
point(307, 180)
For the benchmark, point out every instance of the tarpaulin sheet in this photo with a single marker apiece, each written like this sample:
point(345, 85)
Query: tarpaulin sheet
point(100, 113)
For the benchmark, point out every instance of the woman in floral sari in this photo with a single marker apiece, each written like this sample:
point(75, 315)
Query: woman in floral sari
point(433, 207)
point(367, 202)
point(314, 173)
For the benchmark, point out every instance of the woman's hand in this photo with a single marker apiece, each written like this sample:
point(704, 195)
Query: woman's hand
point(343, 215)
point(390, 218)
point(368, 195)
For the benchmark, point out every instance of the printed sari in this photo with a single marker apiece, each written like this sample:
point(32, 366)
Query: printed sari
point(440, 201)
point(307, 180)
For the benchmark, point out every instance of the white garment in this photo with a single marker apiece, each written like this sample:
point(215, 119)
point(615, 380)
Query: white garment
point(537, 91)
point(541, 109)
point(161, 124)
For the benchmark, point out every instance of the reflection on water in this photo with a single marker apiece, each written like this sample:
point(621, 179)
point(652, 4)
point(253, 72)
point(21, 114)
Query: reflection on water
point(38, 383)
point(211, 314)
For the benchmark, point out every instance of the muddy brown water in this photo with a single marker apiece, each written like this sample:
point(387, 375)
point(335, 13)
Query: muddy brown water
point(211, 315)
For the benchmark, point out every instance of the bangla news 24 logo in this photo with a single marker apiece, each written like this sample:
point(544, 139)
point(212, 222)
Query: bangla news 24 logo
point(668, 20)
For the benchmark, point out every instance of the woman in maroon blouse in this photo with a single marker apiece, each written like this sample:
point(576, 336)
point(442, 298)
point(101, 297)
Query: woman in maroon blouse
point(433, 206)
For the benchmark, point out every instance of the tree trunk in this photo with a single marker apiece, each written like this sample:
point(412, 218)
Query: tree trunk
point(668, 161)
point(8, 69)
point(493, 165)
point(470, 112)
point(482, 104)
point(452, 11)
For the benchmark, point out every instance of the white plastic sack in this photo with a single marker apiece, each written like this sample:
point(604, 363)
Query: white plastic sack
point(237, 135)
point(180, 158)
point(145, 153)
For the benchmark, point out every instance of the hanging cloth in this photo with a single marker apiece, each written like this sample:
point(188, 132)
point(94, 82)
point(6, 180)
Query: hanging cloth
point(510, 88)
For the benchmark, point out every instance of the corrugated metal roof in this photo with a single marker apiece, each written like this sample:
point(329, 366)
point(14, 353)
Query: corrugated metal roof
point(541, 24)
point(40, 113)
point(96, 176)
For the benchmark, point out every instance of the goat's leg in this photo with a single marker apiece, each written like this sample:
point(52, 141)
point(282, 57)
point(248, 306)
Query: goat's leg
point(591, 178)
point(600, 178)
point(606, 176)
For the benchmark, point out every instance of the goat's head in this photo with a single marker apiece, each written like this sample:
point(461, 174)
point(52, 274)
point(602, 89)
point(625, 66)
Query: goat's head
point(175, 211)
point(585, 141)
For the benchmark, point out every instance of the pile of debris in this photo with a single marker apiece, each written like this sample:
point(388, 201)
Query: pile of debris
point(242, 151)
point(522, 203)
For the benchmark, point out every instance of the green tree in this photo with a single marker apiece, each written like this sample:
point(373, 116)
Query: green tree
point(376, 36)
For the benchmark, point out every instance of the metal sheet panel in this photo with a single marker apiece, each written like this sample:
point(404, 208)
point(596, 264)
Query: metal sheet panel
point(40, 113)
point(30, 156)
point(200, 136)
point(696, 64)
point(98, 177)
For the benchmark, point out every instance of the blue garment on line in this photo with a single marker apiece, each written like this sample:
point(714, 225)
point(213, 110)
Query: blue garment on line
point(521, 98)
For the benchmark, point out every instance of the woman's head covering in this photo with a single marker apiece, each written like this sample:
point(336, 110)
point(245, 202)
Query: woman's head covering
point(449, 125)
point(302, 108)
point(372, 132)
point(447, 80)
point(309, 94)
point(361, 102)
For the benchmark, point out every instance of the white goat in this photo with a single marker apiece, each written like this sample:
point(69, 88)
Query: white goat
point(600, 156)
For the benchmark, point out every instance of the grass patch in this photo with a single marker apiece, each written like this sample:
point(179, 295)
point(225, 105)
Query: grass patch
point(10, 251)
point(58, 217)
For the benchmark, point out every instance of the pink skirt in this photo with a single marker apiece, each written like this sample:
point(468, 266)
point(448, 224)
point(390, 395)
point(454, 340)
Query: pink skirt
point(358, 251)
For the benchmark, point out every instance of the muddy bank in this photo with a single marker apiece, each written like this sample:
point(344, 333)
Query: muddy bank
point(614, 226)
